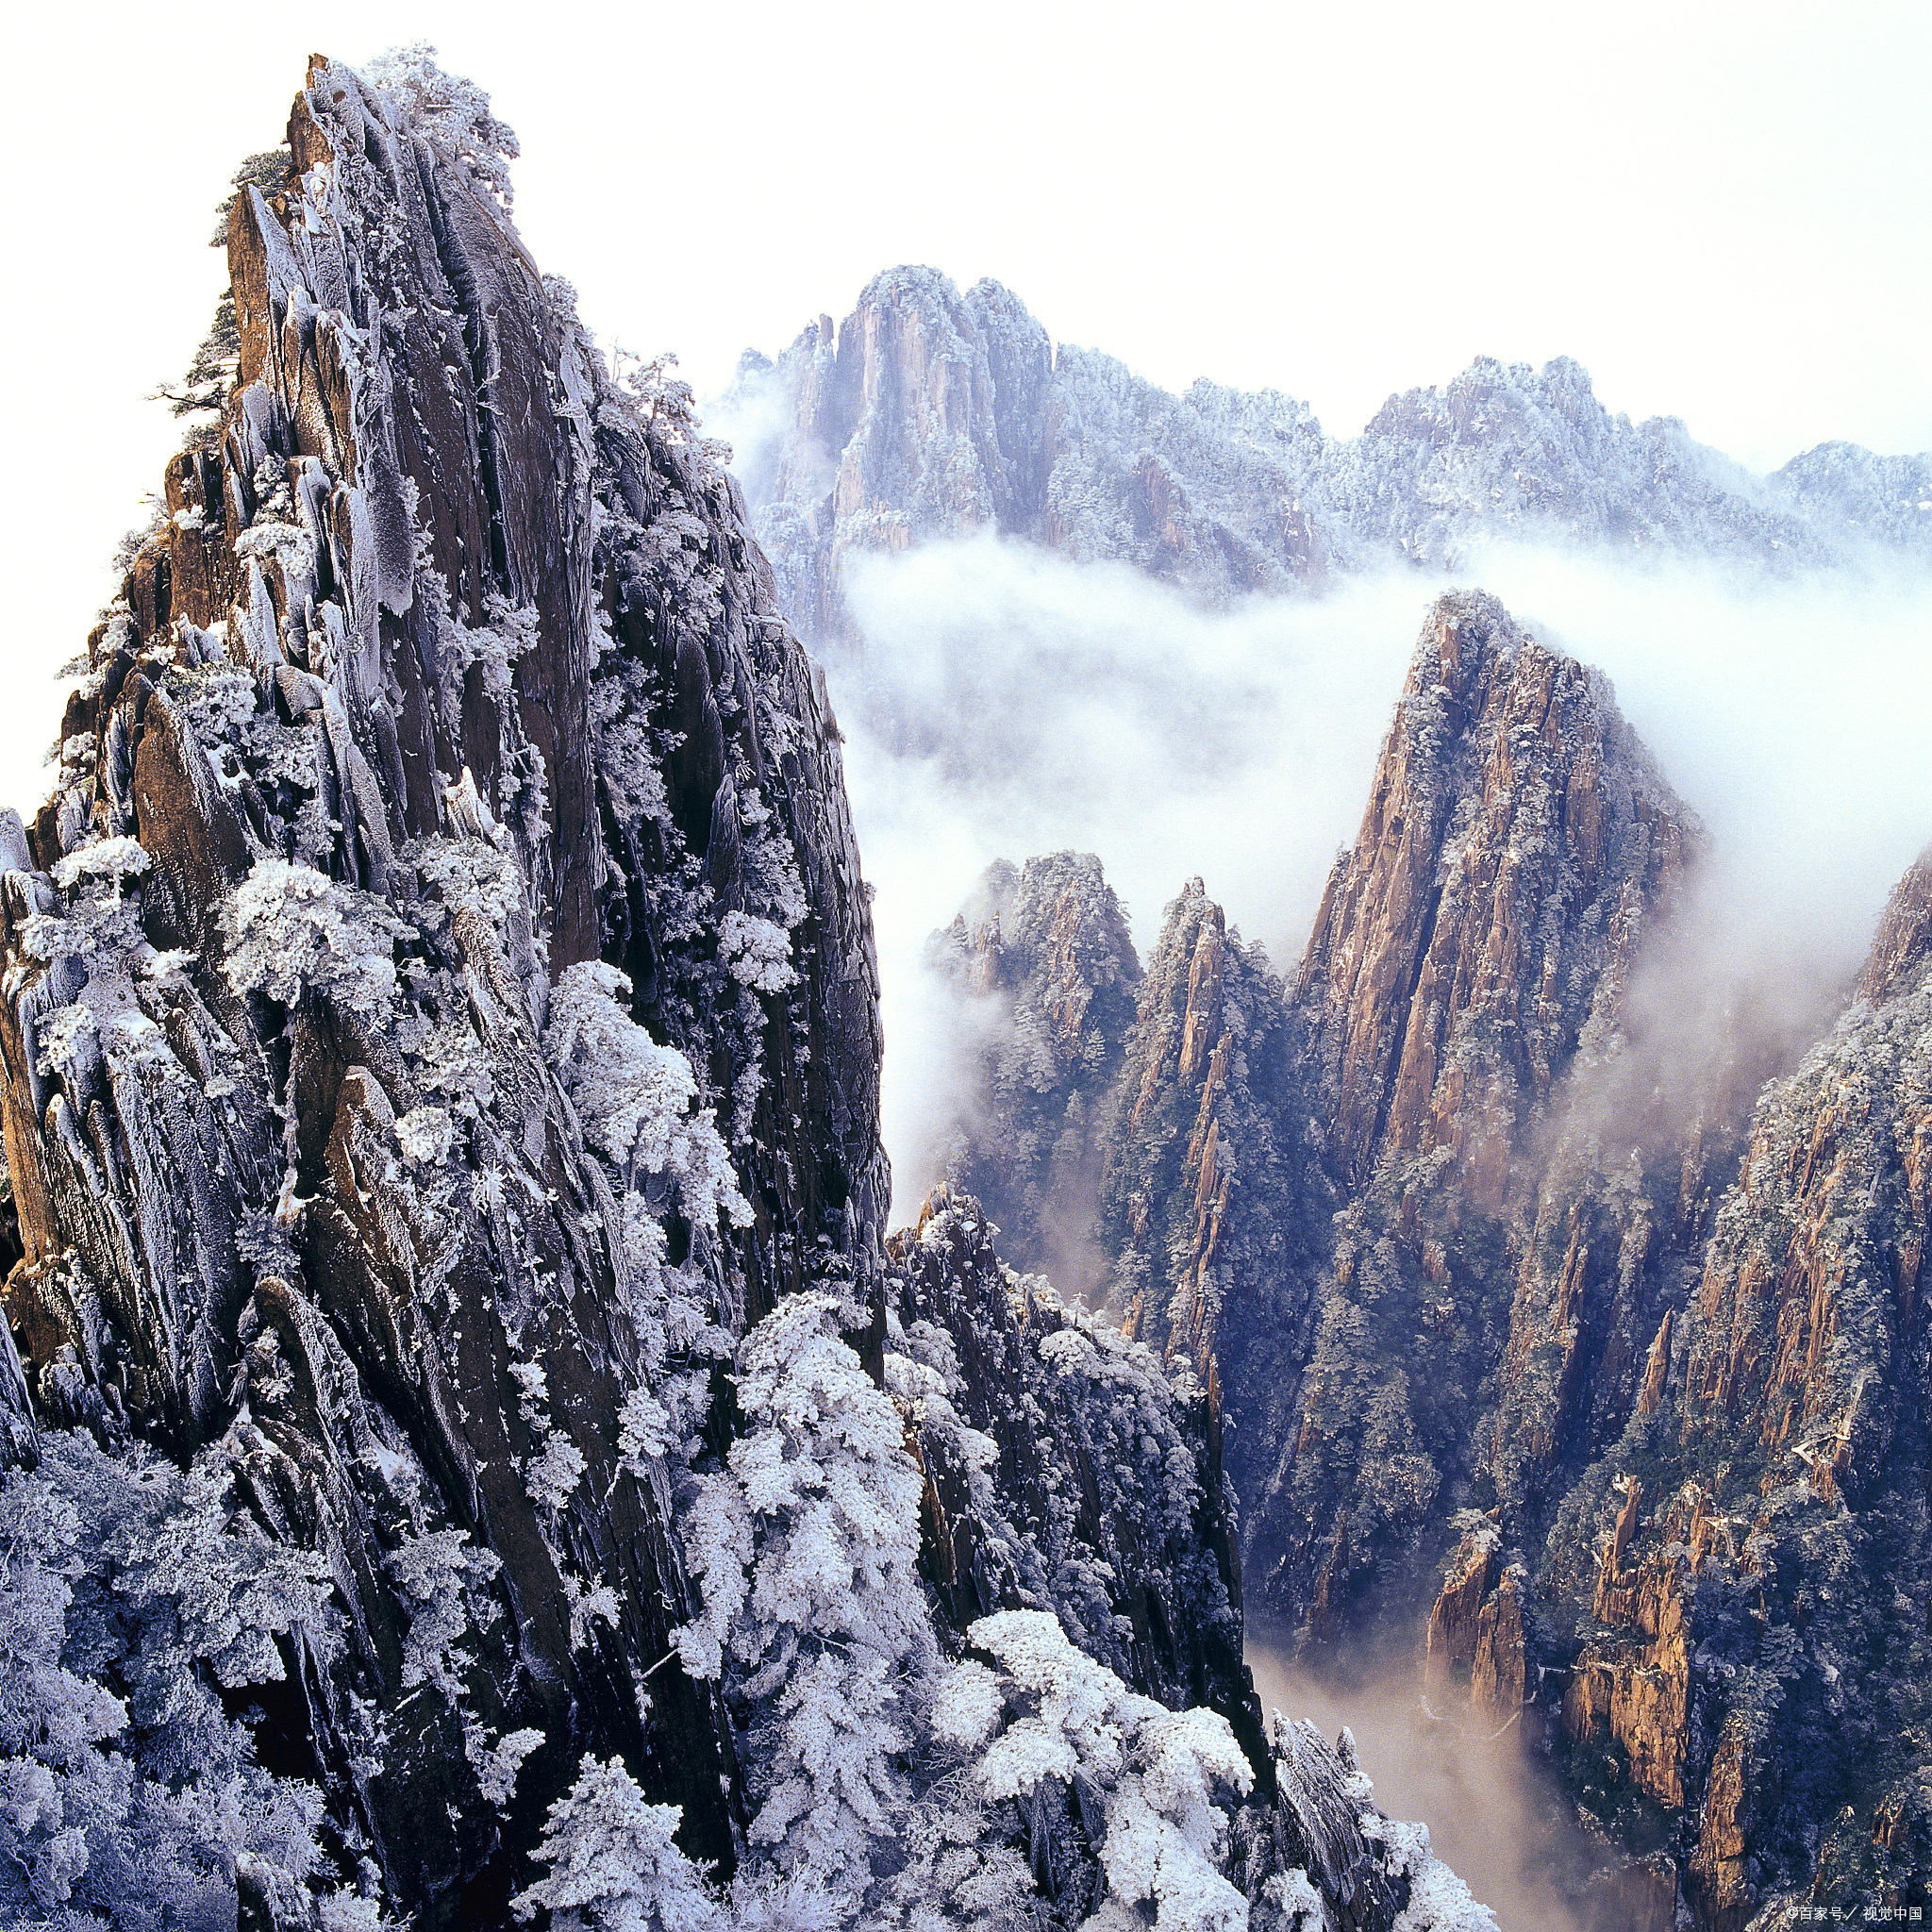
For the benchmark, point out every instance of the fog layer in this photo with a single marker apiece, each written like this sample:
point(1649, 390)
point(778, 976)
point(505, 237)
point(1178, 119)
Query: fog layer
point(1007, 702)
point(1495, 1816)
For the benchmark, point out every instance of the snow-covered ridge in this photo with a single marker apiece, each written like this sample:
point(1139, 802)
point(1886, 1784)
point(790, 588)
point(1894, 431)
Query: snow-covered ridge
point(929, 413)
point(459, 1362)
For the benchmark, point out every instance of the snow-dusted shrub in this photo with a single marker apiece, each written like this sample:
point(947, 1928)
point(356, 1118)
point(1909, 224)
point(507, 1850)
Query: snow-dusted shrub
point(131, 1808)
point(432, 1573)
point(215, 1589)
point(1048, 1711)
point(426, 1134)
point(756, 953)
point(556, 1465)
point(114, 859)
point(290, 927)
point(552, 1473)
point(512, 632)
point(497, 1763)
point(676, 1340)
point(1439, 1901)
point(451, 112)
point(808, 1546)
point(638, 1100)
point(613, 1865)
point(471, 871)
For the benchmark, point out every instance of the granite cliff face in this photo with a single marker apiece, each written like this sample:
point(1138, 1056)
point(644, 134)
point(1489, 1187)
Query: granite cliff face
point(1045, 951)
point(1675, 1354)
point(928, 414)
point(1774, 1534)
point(1517, 841)
point(459, 1418)
point(451, 676)
point(1517, 848)
point(1596, 1384)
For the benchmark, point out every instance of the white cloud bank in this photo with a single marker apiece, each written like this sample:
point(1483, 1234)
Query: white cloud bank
point(1010, 702)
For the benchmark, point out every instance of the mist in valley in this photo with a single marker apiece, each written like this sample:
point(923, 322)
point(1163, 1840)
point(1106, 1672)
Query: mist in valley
point(1006, 702)
point(1495, 1813)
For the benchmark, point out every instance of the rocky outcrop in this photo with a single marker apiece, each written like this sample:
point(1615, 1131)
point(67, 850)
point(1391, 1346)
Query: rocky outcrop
point(1633, 1687)
point(928, 414)
point(1112, 1476)
point(924, 415)
point(1195, 1188)
point(1063, 1471)
point(450, 677)
point(1045, 956)
point(1904, 940)
point(1518, 841)
point(1598, 1380)
point(449, 1308)
point(1754, 1649)
point(1472, 949)
point(1474, 1643)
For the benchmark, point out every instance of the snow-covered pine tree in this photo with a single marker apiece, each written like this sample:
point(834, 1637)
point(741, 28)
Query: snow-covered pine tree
point(807, 1541)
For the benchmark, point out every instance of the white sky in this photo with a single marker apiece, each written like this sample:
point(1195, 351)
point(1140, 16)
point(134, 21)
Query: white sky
point(1721, 211)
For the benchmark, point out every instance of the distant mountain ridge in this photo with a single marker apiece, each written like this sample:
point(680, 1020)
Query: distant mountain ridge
point(931, 413)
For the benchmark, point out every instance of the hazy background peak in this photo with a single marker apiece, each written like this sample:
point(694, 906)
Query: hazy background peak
point(1718, 210)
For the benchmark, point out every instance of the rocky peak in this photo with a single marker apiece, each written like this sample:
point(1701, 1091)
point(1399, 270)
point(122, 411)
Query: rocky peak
point(1518, 841)
point(1192, 1182)
point(920, 416)
point(1049, 946)
point(440, 991)
point(1901, 947)
point(1867, 502)
point(438, 1062)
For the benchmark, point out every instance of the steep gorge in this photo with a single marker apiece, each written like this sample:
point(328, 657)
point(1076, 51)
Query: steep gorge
point(1553, 1354)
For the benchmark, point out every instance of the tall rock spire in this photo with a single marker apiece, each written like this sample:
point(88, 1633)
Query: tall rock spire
point(444, 761)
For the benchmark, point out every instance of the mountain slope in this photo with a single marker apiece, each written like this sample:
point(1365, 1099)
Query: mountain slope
point(928, 414)
point(1570, 1344)
point(468, 1447)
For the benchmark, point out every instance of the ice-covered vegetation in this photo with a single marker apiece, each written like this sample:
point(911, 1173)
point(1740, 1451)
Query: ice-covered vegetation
point(469, 1452)
point(130, 1602)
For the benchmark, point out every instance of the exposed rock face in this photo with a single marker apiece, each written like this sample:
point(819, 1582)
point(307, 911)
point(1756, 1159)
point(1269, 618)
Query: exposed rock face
point(1792, 1556)
point(1903, 938)
point(1518, 846)
point(1522, 1307)
point(1673, 1350)
point(1635, 1688)
point(1475, 1637)
point(1193, 1167)
point(1113, 1476)
point(439, 1043)
point(924, 415)
point(928, 414)
point(1517, 840)
point(445, 650)
point(1048, 949)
